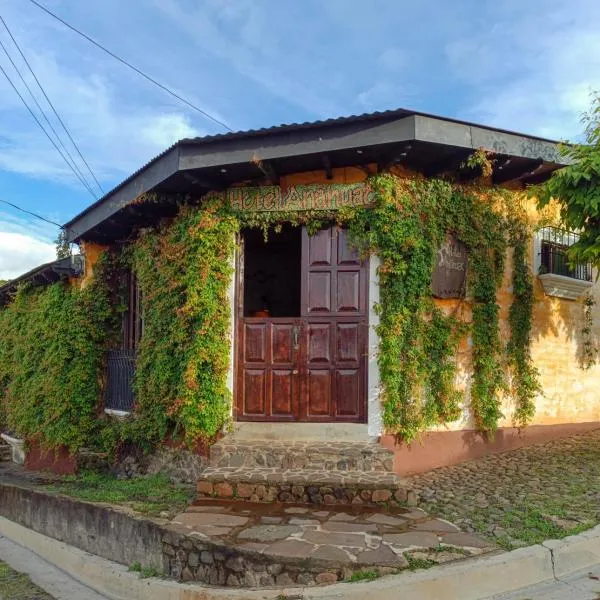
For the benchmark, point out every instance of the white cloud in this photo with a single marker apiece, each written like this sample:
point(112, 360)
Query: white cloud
point(534, 76)
point(254, 49)
point(21, 252)
point(115, 138)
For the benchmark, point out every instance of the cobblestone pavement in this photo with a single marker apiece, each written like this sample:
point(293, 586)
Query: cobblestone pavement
point(339, 540)
point(520, 497)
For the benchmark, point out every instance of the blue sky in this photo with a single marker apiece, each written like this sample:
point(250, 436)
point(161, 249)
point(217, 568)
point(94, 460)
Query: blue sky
point(522, 65)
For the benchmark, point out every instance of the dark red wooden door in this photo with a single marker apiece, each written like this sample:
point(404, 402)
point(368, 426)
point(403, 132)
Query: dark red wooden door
point(334, 315)
point(311, 368)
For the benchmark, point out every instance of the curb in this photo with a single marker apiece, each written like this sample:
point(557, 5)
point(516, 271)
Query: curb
point(475, 579)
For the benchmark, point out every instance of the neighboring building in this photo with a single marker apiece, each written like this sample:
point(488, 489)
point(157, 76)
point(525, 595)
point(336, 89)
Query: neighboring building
point(316, 287)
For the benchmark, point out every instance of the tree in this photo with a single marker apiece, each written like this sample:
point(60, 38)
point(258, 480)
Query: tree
point(576, 188)
point(63, 248)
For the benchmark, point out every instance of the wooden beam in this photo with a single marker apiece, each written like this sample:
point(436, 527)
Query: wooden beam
point(393, 158)
point(269, 169)
point(327, 166)
point(513, 170)
point(450, 163)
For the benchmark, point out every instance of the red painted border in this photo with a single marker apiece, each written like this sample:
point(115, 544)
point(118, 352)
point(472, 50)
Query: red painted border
point(442, 448)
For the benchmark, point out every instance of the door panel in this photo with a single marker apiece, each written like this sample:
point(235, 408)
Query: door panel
point(320, 248)
point(348, 291)
point(268, 369)
point(282, 392)
point(347, 392)
point(348, 343)
point(319, 292)
point(319, 394)
point(319, 343)
point(254, 392)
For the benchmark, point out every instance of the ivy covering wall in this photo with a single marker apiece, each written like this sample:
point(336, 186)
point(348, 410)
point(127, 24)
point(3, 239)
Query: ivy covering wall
point(51, 360)
point(50, 375)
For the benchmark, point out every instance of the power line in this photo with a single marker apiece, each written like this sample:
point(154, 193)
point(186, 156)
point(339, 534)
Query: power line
point(73, 163)
point(128, 64)
point(14, 87)
point(50, 103)
point(31, 213)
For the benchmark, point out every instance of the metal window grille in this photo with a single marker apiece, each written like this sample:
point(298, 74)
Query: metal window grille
point(118, 391)
point(554, 254)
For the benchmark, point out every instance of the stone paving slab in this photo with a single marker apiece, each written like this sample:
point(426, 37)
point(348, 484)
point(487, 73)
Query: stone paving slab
point(341, 540)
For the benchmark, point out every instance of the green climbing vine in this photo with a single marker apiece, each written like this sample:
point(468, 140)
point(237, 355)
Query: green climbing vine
point(589, 350)
point(184, 268)
point(51, 360)
point(404, 228)
point(525, 377)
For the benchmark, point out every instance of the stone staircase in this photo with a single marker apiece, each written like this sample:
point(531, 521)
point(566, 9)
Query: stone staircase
point(5, 452)
point(304, 472)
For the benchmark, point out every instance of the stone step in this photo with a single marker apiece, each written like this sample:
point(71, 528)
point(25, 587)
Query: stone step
point(304, 486)
point(5, 452)
point(311, 455)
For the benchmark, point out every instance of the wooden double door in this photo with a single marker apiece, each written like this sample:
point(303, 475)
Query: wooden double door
point(310, 367)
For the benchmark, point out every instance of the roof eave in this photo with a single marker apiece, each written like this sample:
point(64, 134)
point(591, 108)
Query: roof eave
point(330, 137)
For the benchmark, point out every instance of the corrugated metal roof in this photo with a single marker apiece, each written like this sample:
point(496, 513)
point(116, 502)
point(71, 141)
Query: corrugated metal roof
point(287, 127)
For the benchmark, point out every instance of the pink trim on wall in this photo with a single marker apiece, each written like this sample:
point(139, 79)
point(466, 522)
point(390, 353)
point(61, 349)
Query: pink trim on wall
point(443, 448)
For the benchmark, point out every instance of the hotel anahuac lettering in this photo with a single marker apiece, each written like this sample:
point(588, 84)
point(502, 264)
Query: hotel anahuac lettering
point(450, 270)
point(299, 197)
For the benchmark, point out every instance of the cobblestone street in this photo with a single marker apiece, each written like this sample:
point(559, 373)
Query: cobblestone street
point(521, 497)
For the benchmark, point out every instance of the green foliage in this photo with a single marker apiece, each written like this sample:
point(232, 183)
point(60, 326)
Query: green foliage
point(144, 571)
point(364, 575)
point(479, 160)
point(51, 359)
point(18, 586)
point(525, 377)
point(184, 269)
point(589, 351)
point(419, 342)
point(63, 248)
point(149, 495)
point(576, 188)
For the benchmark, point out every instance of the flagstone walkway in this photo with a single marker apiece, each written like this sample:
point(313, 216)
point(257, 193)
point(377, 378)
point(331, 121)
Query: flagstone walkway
point(521, 497)
point(339, 540)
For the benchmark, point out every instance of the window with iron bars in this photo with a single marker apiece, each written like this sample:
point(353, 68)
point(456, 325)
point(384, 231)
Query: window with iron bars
point(120, 364)
point(555, 243)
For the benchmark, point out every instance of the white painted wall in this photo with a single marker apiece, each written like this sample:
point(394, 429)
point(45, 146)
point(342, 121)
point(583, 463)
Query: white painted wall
point(375, 427)
point(232, 328)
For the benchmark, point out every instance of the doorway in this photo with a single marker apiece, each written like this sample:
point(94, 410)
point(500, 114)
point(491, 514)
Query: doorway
point(302, 327)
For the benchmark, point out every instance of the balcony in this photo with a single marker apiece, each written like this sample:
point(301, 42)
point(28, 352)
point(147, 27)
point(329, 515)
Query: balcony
point(559, 277)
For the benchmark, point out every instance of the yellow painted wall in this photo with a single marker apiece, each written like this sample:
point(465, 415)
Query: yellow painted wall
point(91, 252)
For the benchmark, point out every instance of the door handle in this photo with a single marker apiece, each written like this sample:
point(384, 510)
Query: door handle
point(295, 333)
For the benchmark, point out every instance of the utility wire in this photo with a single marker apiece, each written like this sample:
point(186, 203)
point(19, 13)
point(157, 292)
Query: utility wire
point(14, 87)
point(74, 164)
point(32, 213)
point(128, 64)
point(51, 105)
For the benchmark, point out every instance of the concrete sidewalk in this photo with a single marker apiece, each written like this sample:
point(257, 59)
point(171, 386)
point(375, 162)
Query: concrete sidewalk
point(57, 583)
point(583, 585)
